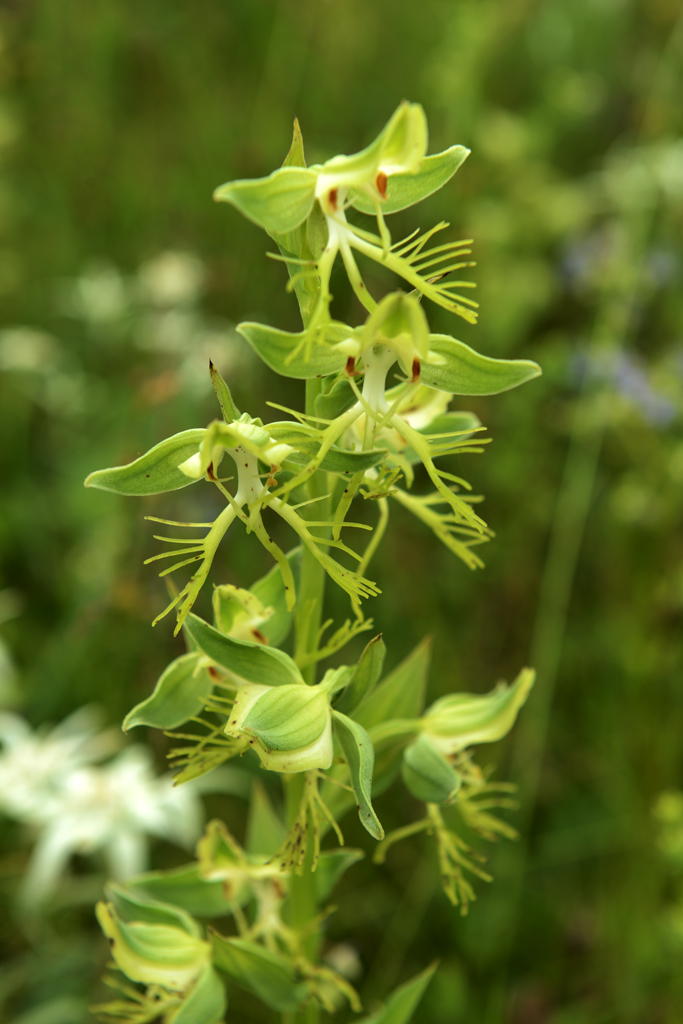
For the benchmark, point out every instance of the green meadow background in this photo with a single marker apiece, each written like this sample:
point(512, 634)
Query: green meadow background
point(117, 120)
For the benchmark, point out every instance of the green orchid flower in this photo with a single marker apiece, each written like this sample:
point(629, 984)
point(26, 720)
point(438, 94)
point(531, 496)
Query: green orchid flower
point(195, 455)
point(392, 173)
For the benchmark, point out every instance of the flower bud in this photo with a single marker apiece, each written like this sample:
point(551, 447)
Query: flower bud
point(427, 773)
point(289, 726)
point(462, 719)
point(154, 954)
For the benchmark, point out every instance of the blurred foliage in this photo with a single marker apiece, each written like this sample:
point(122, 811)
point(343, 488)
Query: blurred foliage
point(119, 278)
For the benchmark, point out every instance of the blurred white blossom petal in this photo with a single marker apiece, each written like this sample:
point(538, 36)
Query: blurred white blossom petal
point(50, 780)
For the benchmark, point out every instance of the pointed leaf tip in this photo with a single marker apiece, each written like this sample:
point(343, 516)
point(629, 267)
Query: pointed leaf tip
point(360, 757)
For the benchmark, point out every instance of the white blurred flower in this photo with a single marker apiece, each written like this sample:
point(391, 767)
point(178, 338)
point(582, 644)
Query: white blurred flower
point(49, 781)
point(35, 765)
point(99, 295)
point(172, 278)
point(25, 348)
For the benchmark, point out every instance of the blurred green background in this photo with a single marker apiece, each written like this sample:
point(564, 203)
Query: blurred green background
point(119, 279)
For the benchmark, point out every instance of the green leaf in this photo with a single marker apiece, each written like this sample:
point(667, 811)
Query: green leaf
point(154, 472)
point(402, 1003)
point(295, 157)
point(206, 1002)
point(360, 757)
point(179, 694)
point(276, 349)
point(451, 422)
point(388, 762)
point(364, 678)
point(266, 831)
point(466, 372)
point(184, 887)
point(228, 407)
point(133, 906)
point(250, 661)
point(293, 245)
point(267, 974)
point(278, 203)
point(427, 774)
point(401, 694)
point(405, 190)
point(331, 866)
point(336, 396)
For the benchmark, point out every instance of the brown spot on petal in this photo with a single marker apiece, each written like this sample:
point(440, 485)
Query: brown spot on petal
point(416, 370)
point(351, 366)
point(332, 196)
point(381, 182)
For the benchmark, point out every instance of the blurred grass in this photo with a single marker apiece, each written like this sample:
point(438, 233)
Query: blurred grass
point(116, 123)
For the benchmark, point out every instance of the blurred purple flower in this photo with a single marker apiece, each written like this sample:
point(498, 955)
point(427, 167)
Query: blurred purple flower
point(629, 378)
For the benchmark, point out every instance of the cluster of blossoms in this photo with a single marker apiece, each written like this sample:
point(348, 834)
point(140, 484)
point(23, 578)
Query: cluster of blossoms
point(376, 426)
point(303, 209)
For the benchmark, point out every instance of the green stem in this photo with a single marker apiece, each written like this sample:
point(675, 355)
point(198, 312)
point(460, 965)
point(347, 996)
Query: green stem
point(303, 906)
point(311, 591)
